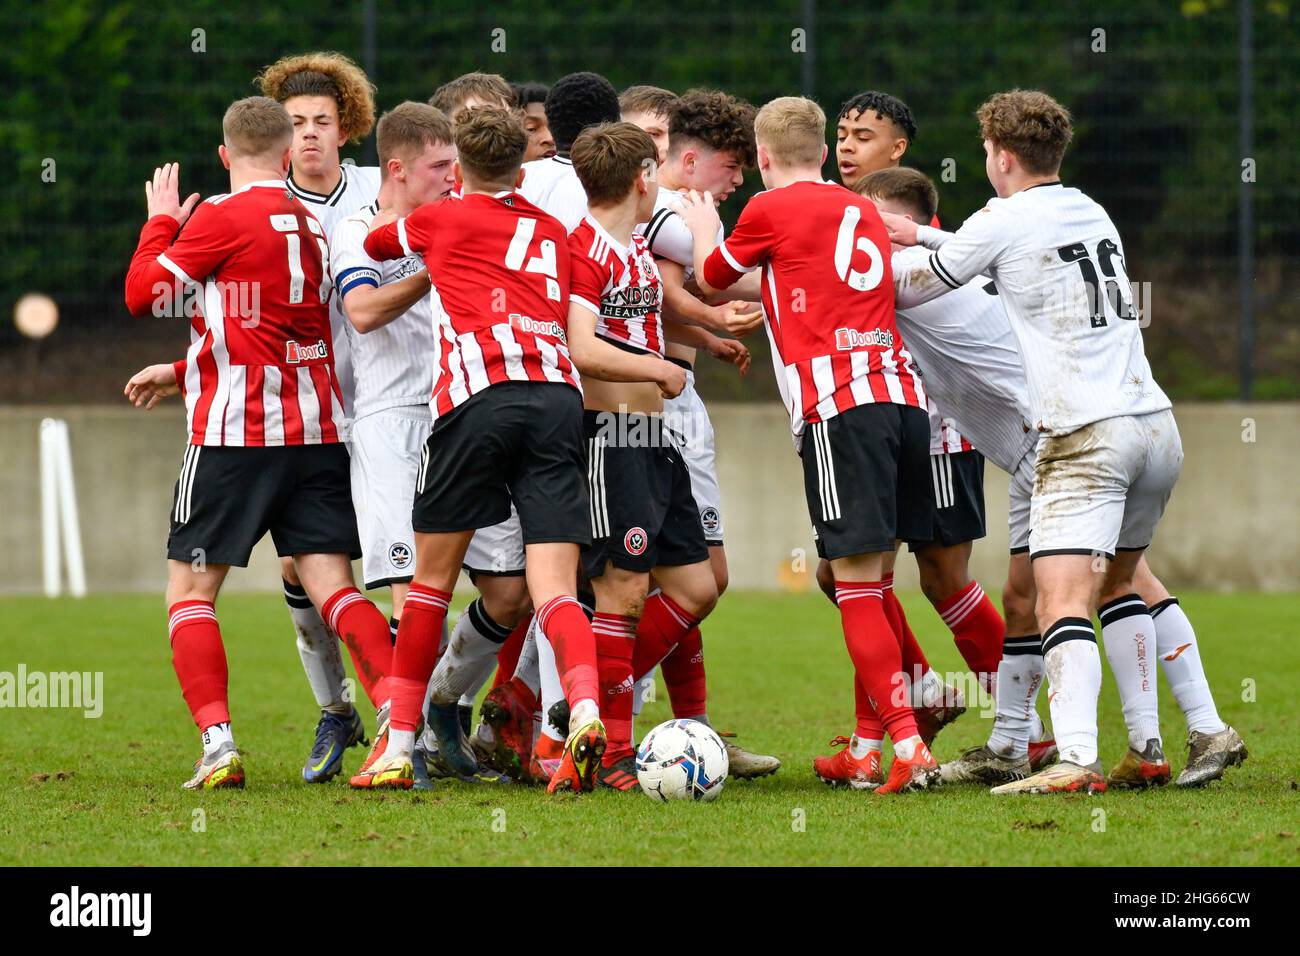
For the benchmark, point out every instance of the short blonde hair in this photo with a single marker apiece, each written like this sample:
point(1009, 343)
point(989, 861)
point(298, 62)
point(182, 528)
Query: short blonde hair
point(325, 74)
point(608, 158)
point(256, 126)
point(490, 145)
point(793, 130)
point(1030, 124)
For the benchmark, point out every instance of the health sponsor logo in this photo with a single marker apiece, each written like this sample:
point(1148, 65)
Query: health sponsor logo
point(525, 323)
point(399, 556)
point(295, 353)
point(848, 339)
point(635, 541)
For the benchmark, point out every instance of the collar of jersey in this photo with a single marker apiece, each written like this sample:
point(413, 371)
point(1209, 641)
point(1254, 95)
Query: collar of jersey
point(261, 184)
point(622, 249)
point(321, 197)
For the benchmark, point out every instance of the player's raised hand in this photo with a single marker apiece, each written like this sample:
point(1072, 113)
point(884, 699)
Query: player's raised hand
point(672, 379)
point(730, 351)
point(149, 386)
point(902, 230)
point(700, 213)
point(163, 195)
point(738, 317)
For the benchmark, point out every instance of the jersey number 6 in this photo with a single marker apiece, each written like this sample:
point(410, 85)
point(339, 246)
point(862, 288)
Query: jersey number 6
point(845, 247)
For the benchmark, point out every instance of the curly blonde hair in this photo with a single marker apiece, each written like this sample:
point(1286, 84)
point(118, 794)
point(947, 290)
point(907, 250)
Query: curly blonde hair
point(325, 74)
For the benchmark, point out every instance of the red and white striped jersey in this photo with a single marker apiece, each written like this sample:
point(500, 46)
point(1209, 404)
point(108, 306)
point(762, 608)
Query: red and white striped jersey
point(500, 273)
point(259, 370)
point(620, 284)
point(828, 297)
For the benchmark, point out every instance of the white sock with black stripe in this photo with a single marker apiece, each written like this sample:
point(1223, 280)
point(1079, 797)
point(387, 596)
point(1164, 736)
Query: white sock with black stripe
point(1073, 667)
point(318, 649)
point(1180, 659)
point(1020, 674)
point(472, 649)
point(1129, 635)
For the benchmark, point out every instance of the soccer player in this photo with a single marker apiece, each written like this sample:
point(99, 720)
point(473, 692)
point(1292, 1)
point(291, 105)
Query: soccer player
point(857, 409)
point(530, 100)
point(966, 337)
point(1108, 452)
point(711, 142)
point(873, 132)
point(331, 102)
point(264, 414)
point(643, 518)
point(472, 90)
point(507, 411)
point(650, 108)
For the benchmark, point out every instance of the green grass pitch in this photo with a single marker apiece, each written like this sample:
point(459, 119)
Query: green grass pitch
point(107, 791)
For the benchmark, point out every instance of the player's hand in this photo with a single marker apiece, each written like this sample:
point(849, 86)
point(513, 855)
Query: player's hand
point(163, 195)
point(730, 351)
point(382, 219)
point(737, 318)
point(149, 386)
point(901, 229)
point(700, 213)
point(672, 379)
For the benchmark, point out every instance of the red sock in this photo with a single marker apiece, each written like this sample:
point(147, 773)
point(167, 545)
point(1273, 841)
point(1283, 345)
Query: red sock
point(914, 661)
point(416, 653)
point(566, 626)
point(977, 628)
point(663, 626)
point(508, 656)
point(868, 726)
point(615, 638)
point(683, 671)
point(876, 656)
point(200, 661)
point(364, 630)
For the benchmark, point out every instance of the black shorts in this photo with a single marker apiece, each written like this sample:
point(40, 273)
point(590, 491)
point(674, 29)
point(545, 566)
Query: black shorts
point(227, 498)
point(865, 474)
point(514, 441)
point(956, 499)
point(643, 514)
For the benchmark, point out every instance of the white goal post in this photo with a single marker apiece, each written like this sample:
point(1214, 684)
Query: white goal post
point(59, 512)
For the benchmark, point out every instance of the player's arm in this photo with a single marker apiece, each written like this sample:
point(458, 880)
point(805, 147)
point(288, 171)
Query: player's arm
point(721, 265)
point(596, 358)
point(371, 307)
point(681, 306)
point(724, 350)
point(970, 251)
point(393, 238)
point(161, 257)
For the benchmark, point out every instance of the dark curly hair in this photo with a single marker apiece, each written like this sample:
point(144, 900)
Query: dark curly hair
point(884, 105)
point(716, 119)
point(577, 101)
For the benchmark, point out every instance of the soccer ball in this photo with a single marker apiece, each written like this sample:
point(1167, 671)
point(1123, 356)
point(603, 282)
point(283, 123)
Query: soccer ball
point(681, 760)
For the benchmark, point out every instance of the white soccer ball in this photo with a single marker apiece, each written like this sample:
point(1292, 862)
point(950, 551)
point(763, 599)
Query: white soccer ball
point(682, 760)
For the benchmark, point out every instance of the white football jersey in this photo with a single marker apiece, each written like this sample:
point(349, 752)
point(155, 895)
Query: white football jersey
point(391, 365)
point(1058, 264)
point(970, 364)
point(358, 187)
point(552, 185)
